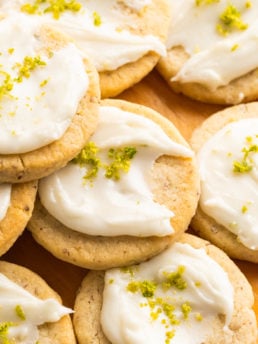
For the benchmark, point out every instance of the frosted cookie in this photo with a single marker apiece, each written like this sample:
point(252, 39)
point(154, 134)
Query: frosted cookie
point(131, 191)
point(124, 39)
point(17, 202)
point(31, 312)
point(212, 49)
point(48, 100)
point(190, 293)
point(226, 145)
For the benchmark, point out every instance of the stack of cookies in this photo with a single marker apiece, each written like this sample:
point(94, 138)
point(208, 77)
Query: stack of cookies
point(112, 186)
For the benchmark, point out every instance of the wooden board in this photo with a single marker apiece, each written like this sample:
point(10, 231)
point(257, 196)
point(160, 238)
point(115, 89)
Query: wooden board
point(186, 115)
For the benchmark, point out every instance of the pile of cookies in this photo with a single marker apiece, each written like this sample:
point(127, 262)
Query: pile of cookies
point(112, 186)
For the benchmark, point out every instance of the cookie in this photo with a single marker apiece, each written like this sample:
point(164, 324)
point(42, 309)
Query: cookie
point(34, 303)
point(144, 313)
point(49, 100)
point(207, 44)
point(124, 39)
point(133, 208)
point(226, 144)
point(17, 202)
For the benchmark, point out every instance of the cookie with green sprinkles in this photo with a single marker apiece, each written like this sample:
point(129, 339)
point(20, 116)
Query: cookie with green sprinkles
point(164, 300)
point(226, 148)
point(124, 39)
point(206, 46)
point(49, 99)
point(129, 203)
point(30, 287)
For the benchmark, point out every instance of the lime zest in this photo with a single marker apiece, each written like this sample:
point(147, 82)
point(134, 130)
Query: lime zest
point(120, 161)
point(56, 7)
point(230, 20)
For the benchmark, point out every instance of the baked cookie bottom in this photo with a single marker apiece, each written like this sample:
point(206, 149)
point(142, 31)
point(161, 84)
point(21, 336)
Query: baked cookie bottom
point(18, 214)
point(60, 332)
point(112, 83)
point(91, 252)
point(152, 20)
point(208, 229)
point(204, 225)
point(174, 183)
point(17, 168)
point(89, 298)
point(241, 90)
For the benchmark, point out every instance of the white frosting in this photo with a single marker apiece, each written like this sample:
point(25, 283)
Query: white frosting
point(36, 311)
point(215, 59)
point(108, 207)
point(132, 321)
point(34, 114)
point(108, 46)
point(5, 196)
point(137, 4)
point(229, 197)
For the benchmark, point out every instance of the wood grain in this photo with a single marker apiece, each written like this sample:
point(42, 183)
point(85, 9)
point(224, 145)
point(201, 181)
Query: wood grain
point(186, 115)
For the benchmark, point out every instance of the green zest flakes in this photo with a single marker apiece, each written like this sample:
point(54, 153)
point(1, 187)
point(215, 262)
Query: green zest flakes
point(146, 288)
point(6, 85)
point(10, 51)
point(43, 83)
point(23, 69)
point(186, 309)
point(121, 158)
point(96, 19)
point(20, 312)
point(205, 2)
point(198, 317)
point(175, 279)
point(248, 4)
point(244, 209)
point(88, 157)
point(241, 166)
point(164, 309)
point(119, 161)
point(230, 20)
point(169, 336)
point(234, 47)
point(128, 269)
point(5, 326)
point(4, 329)
point(56, 7)
point(246, 164)
point(29, 64)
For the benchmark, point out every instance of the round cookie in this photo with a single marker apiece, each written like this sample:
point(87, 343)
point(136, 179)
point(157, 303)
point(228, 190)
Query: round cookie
point(18, 213)
point(57, 332)
point(124, 39)
point(89, 300)
point(203, 224)
point(36, 163)
point(174, 183)
point(155, 21)
point(228, 49)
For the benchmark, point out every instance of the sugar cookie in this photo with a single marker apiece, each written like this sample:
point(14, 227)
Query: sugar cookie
point(124, 39)
point(134, 208)
point(49, 100)
point(31, 302)
point(191, 292)
point(226, 148)
point(209, 50)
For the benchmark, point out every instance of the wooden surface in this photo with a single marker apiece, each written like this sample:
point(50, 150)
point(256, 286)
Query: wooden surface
point(186, 115)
